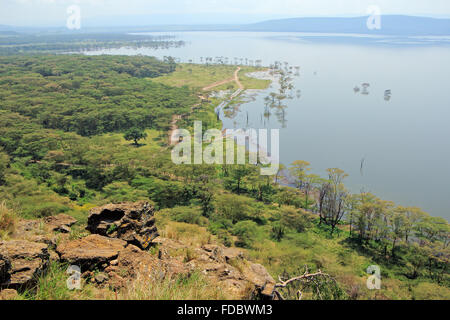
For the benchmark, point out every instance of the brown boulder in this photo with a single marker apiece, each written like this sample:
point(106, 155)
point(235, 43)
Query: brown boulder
point(227, 267)
point(60, 223)
point(28, 260)
point(131, 222)
point(91, 251)
point(8, 294)
point(143, 264)
point(5, 266)
point(263, 281)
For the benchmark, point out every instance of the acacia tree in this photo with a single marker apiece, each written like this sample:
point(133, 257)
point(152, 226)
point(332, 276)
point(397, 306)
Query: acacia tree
point(413, 216)
point(281, 168)
point(135, 134)
point(332, 198)
point(238, 174)
point(298, 170)
point(310, 182)
point(397, 223)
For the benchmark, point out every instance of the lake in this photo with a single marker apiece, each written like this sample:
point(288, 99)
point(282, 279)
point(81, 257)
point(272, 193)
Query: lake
point(403, 142)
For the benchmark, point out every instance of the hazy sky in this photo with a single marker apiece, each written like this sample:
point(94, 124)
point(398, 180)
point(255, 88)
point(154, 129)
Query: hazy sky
point(53, 12)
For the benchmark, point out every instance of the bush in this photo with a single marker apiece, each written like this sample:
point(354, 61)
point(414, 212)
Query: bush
point(233, 207)
point(167, 194)
point(190, 215)
point(123, 192)
point(47, 209)
point(297, 220)
point(278, 231)
point(246, 231)
point(290, 197)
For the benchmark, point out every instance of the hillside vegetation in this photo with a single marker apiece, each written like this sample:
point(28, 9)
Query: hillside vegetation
point(63, 150)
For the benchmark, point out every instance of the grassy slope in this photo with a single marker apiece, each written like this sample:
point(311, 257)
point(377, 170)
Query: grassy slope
point(200, 76)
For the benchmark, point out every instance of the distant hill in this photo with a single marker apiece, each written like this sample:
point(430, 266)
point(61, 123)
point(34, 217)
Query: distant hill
point(390, 25)
point(395, 25)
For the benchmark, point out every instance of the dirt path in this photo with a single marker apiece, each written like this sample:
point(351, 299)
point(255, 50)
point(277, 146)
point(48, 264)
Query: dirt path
point(173, 127)
point(235, 79)
point(176, 117)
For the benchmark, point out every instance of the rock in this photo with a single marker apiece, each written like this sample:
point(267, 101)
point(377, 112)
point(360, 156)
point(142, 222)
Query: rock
point(28, 260)
point(91, 251)
point(101, 278)
point(8, 294)
point(137, 262)
point(26, 226)
point(131, 222)
point(54, 256)
point(49, 241)
point(226, 268)
point(5, 266)
point(231, 254)
point(262, 280)
point(116, 282)
point(60, 223)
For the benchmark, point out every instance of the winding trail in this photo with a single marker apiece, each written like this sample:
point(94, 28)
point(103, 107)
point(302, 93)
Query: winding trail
point(235, 79)
point(176, 117)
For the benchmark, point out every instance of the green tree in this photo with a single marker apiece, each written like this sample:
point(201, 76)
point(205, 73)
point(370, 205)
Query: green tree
point(135, 134)
point(299, 170)
point(333, 198)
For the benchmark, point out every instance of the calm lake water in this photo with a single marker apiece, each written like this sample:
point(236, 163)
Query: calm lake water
point(405, 142)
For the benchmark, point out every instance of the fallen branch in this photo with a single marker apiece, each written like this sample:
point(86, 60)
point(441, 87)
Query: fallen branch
point(306, 278)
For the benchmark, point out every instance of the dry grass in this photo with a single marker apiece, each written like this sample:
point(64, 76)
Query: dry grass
point(8, 221)
point(189, 234)
point(194, 286)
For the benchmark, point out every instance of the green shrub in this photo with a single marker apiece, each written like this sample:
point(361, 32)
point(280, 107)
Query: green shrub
point(47, 209)
point(247, 232)
point(295, 219)
point(192, 215)
point(233, 207)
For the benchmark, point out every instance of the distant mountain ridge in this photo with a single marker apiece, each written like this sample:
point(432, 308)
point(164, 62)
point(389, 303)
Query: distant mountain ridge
point(390, 25)
point(395, 25)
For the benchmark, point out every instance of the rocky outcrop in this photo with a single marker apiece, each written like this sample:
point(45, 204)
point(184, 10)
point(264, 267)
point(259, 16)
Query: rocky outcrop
point(120, 263)
point(27, 260)
point(131, 222)
point(60, 223)
point(5, 266)
point(226, 267)
point(91, 251)
point(115, 254)
point(238, 276)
